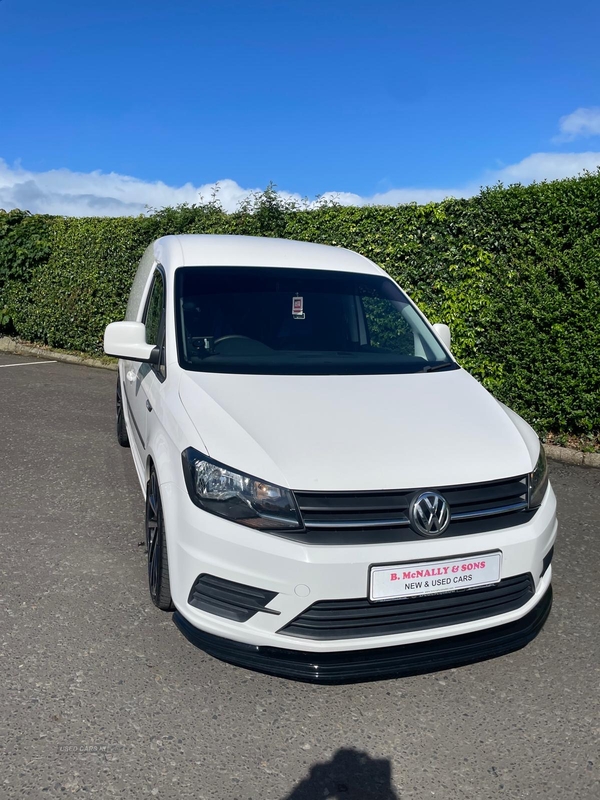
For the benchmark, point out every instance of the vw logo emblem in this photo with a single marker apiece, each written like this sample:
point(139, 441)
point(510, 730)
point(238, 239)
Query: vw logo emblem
point(429, 514)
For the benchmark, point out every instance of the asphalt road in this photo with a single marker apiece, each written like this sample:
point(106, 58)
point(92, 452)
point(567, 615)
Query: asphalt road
point(101, 695)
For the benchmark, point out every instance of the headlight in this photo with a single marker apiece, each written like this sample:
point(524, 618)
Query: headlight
point(538, 480)
point(237, 496)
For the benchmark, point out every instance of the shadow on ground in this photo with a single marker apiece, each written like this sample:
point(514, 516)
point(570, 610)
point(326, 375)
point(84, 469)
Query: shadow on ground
point(350, 775)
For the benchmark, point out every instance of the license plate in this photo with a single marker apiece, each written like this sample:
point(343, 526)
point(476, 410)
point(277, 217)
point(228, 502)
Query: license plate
point(433, 577)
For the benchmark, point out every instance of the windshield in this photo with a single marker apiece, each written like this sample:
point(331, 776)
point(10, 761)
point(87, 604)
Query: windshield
point(263, 320)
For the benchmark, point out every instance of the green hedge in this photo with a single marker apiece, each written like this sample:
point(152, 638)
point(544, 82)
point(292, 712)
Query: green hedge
point(514, 271)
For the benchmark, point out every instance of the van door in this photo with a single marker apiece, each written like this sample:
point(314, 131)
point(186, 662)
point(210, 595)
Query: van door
point(137, 377)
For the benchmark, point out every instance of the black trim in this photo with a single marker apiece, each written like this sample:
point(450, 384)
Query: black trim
point(490, 512)
point(347, 536)
point(132, 418)
point(356, 618)
point(158, 356)
point(379, 663)
point(154, 359)
point(228, 599)
point(547, 560)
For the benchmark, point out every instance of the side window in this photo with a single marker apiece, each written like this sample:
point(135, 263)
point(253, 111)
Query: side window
point(388, 330)
point(155, 316)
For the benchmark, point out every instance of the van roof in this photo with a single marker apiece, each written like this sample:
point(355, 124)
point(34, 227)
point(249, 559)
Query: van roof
point(207, 250)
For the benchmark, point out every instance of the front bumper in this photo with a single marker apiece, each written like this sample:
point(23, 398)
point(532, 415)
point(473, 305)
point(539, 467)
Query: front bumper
point(379, 663)
point(300, 575)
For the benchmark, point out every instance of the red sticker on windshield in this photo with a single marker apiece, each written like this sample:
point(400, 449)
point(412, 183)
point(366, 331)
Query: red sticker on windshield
point(298, 307)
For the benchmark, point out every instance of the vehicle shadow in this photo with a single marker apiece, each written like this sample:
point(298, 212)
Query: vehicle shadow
point(350, 775)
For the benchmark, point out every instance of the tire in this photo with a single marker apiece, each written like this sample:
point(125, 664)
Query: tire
point(156, 546)
point(122, 435)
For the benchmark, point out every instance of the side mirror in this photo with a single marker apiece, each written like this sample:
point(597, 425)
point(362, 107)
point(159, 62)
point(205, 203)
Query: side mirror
point(128, 340)
point(443, 331)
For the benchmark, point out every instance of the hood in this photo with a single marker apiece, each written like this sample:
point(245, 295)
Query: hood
point(356, 432)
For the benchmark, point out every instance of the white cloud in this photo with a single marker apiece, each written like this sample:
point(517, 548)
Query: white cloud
point(546, 167)
point(60, 191)
point(583, 122)
point(395, 196)
point(110, 194)
point(536, 167)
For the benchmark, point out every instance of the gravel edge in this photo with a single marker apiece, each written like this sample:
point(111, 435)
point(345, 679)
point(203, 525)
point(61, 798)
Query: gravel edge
point(566, 455)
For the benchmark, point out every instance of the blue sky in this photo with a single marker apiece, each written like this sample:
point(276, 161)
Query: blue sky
point(110, 106)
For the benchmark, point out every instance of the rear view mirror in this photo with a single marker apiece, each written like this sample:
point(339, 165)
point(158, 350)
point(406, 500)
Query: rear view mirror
point(443, 332)
point(128, 340)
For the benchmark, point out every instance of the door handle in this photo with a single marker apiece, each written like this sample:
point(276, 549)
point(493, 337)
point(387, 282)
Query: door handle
point(148, 405)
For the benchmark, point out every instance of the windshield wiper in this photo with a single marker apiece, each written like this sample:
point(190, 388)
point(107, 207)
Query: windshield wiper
point(434, 367)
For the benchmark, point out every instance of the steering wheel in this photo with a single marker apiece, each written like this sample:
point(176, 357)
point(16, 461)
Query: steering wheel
point(232, 336)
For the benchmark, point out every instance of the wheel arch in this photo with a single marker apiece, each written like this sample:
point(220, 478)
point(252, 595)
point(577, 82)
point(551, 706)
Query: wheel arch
point(149, 466)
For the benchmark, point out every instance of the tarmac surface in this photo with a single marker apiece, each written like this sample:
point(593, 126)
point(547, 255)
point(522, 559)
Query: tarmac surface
point(100, 695)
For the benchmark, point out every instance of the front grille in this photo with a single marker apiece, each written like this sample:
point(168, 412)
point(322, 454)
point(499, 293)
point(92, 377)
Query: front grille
point(332, 517)
point(349, 619)
point(227, 599)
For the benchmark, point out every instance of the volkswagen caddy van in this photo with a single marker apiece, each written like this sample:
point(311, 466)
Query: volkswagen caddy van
point(329, 495)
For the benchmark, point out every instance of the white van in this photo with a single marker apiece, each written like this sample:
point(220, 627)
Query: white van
point(329, 495)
